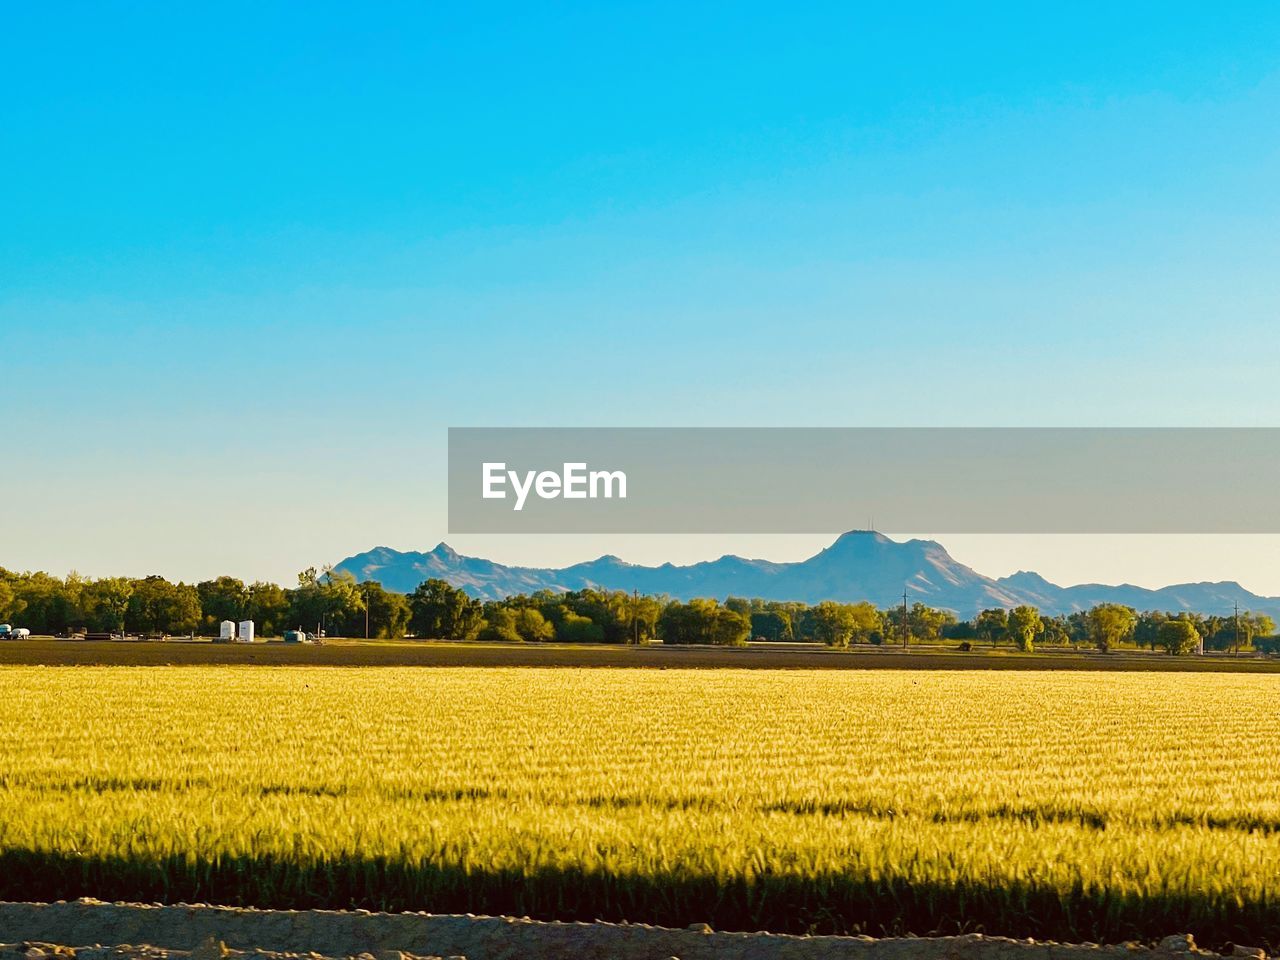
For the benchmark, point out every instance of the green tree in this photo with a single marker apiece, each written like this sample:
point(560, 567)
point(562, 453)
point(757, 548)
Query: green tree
point(1146, 632)
point(773, 625)
point(575, 628)
point(622, 617)
point(46, 603)
point(330, 602)
point(1242, 628)
point(1056, 631)
point(1078, 627)
point(703, 622)
point(8, 598)
point(804, 624)
point(1216, 632)
point(223, 598)
point(833, 623)
point(927, 623)
point(307, 605)
point(896, 628)
point(1111, 624)
point(500, 625)
point(107, 603)
point(440, 611)
point(839, 624)
point(344, 602)
point(644, 612)
point(992, 625)
point(1023, 626)
point(268, 606)
point(729, 628)
point(867, 622)
point(532, 626)
point(388, 613)
point(157, 606)
point(1178, 636)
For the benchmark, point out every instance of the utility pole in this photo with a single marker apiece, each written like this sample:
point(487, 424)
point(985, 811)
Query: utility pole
point(366, 613)
point(906, 629)
point(1236, 652)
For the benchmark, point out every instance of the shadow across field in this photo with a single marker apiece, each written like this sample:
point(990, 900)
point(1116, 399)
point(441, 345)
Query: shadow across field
point(755, 656)
point(831, 903)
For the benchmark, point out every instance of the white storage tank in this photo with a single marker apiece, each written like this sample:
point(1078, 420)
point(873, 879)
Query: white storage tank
point(227, 631)
point(246, 631)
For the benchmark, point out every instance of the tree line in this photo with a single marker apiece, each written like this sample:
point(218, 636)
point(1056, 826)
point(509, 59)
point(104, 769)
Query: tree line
point(335, 604)
point(1110, 625)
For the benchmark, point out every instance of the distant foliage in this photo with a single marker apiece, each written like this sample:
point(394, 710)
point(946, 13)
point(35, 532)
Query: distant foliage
point(440, 611)
point(703, 622)
point(1023, 626)
point(1110, 624)
point(335, 603)
point(1179, 636)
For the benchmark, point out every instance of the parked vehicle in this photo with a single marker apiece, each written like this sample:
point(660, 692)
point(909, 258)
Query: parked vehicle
point(8, 632)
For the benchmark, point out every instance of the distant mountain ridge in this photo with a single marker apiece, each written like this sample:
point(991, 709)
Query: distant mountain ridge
point(859, 565)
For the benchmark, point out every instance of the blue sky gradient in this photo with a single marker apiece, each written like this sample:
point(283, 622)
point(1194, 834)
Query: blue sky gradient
point(255, 259)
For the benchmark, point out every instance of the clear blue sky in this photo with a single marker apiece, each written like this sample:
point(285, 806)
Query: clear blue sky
point(255, 259)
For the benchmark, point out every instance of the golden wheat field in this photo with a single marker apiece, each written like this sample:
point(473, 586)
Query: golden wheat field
point(1085, 805)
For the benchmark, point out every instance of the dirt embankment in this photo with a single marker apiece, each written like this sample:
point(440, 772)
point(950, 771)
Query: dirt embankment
point(90, 930)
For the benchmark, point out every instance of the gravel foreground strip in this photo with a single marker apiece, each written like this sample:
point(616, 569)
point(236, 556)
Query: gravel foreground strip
point(93, 930)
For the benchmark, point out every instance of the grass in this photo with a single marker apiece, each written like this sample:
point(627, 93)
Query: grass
point(756, 656)
point(1053, 804)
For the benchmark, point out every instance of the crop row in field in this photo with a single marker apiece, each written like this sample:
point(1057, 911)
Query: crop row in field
point(1067, 805)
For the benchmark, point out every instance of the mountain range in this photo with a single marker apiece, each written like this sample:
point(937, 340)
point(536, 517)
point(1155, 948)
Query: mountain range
point(859, 565)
